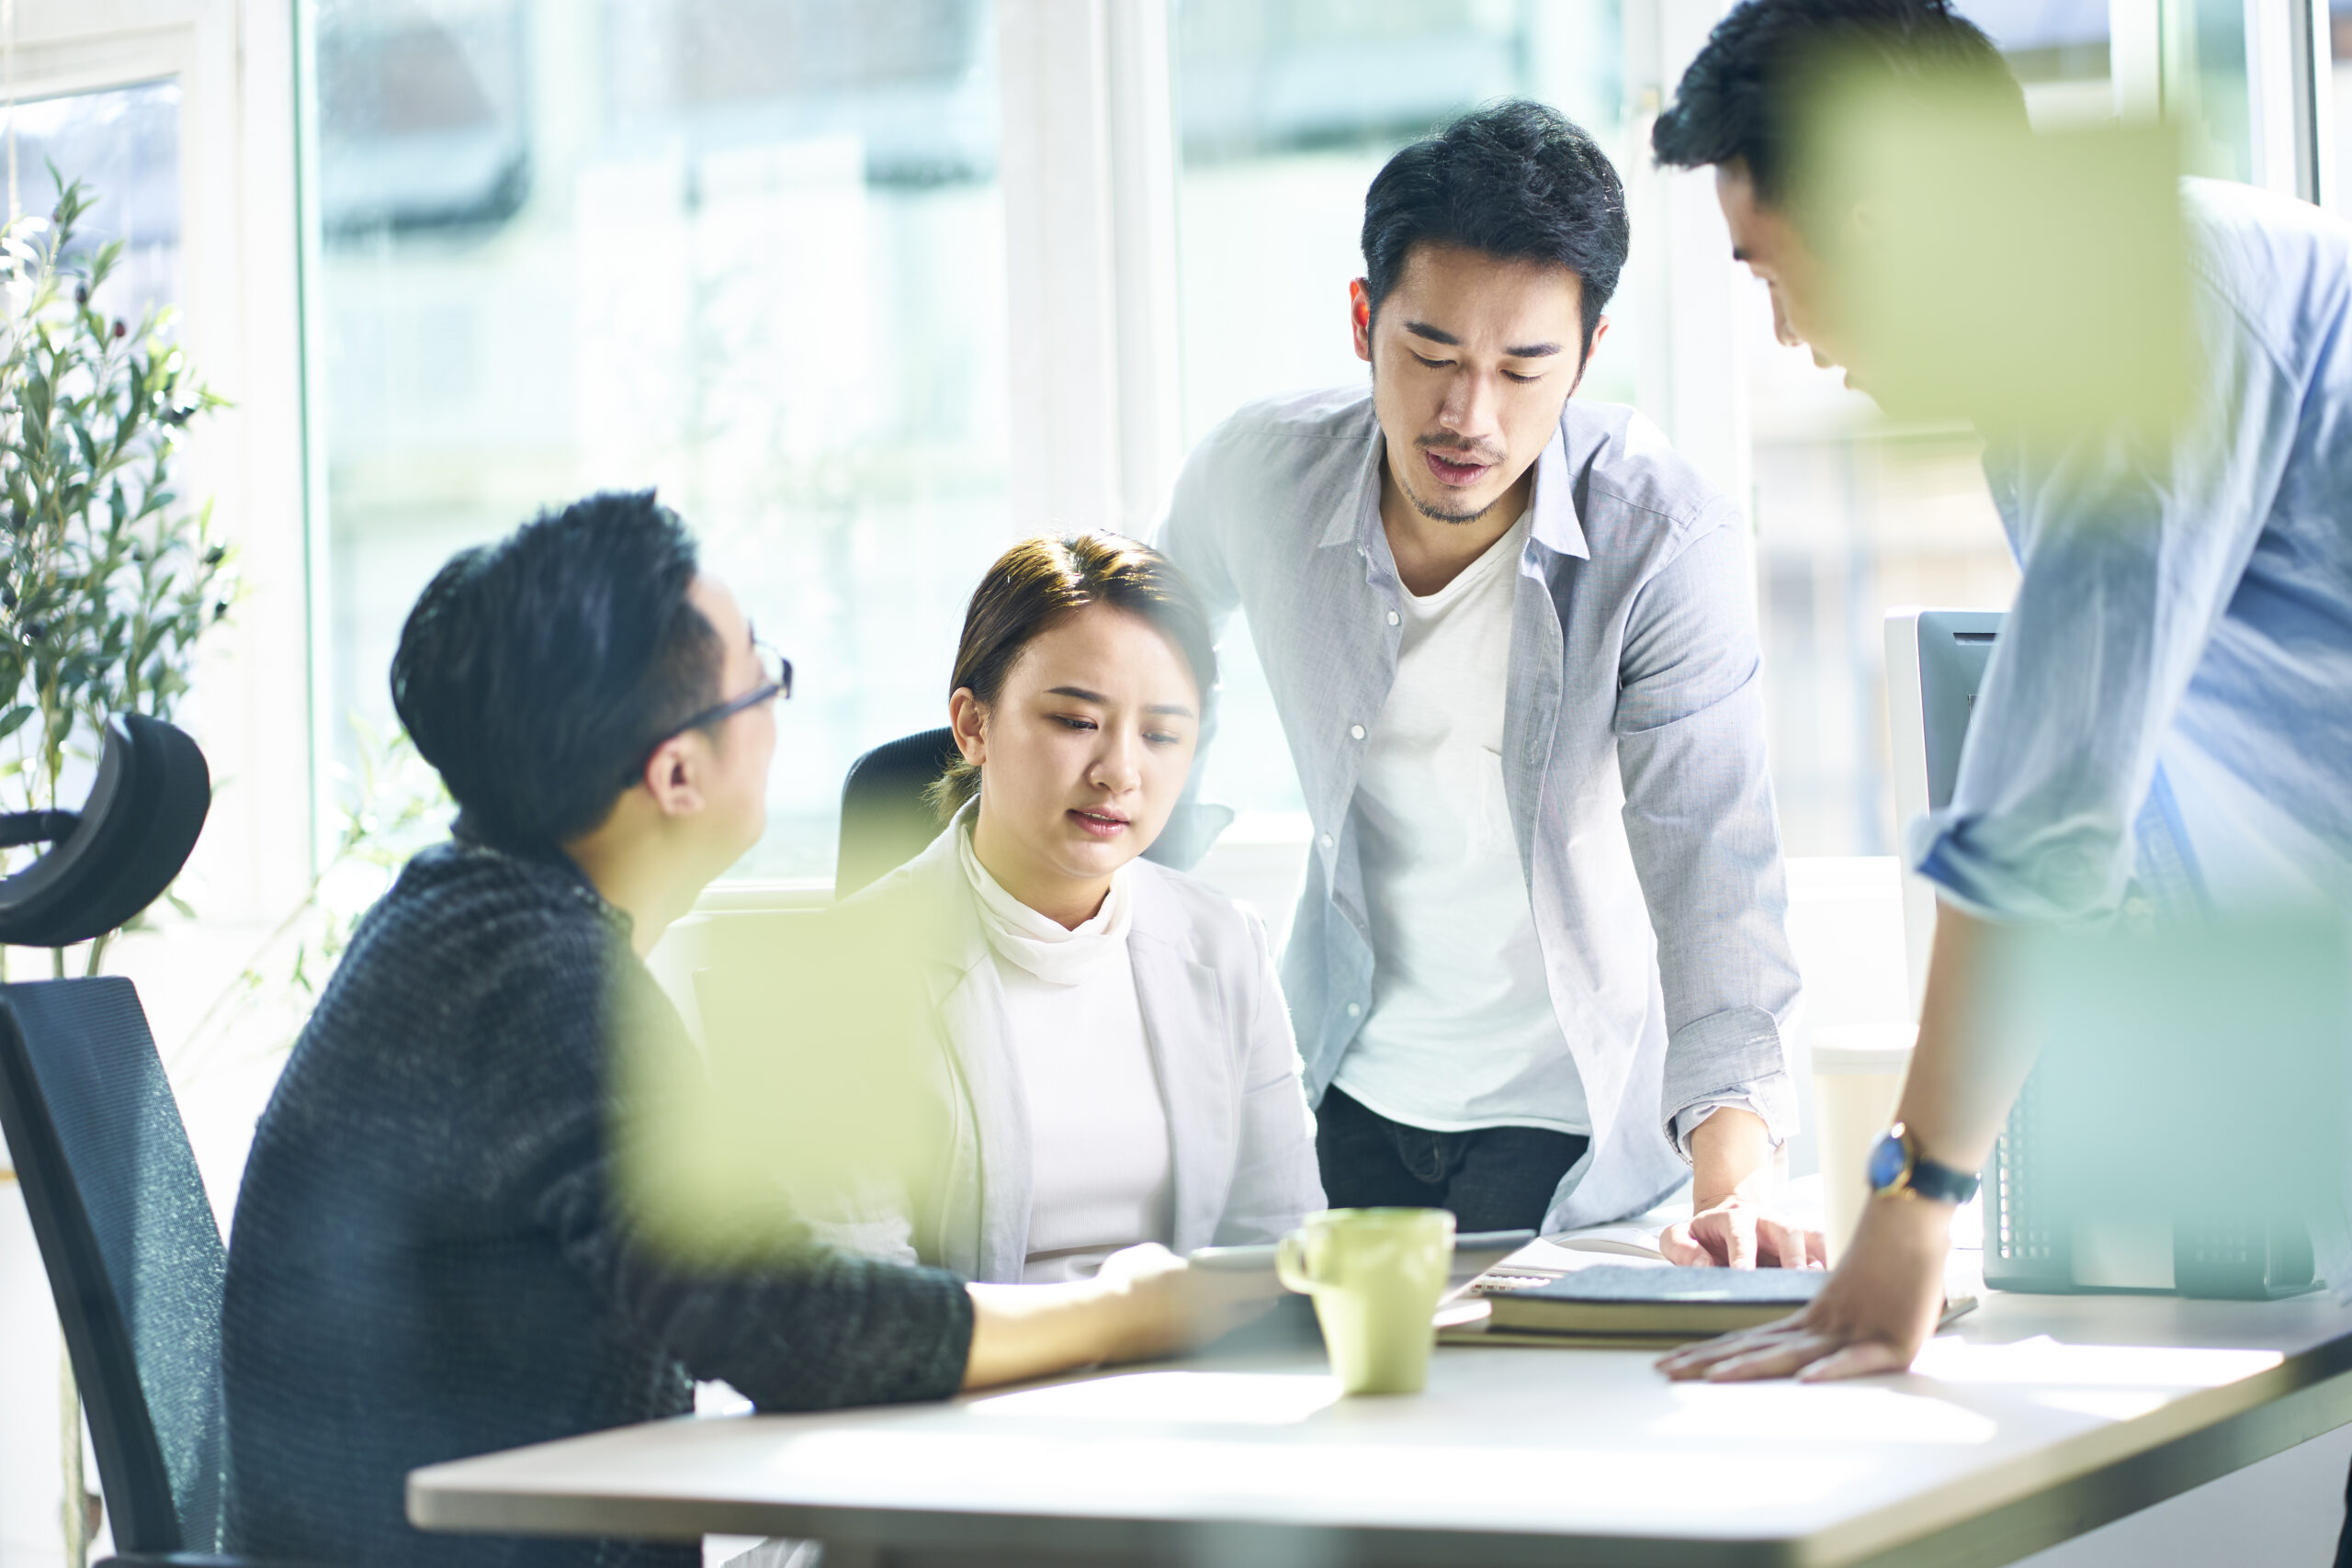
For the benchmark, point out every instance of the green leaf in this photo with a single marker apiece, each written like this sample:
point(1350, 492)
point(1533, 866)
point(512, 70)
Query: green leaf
point(14, 720)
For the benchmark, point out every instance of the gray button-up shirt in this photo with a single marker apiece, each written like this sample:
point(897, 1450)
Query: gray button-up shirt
point(1632, 756)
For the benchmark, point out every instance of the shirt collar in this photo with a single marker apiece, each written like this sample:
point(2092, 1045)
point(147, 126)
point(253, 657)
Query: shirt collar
point(1556, 526)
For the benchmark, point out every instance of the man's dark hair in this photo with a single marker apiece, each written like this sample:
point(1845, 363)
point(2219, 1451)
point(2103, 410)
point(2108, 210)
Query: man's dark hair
point(536, 671)
point(1515, 180)
point(1743, 98)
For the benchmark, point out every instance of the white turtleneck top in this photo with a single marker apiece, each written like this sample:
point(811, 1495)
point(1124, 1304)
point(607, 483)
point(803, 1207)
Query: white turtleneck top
point(1098, 1126)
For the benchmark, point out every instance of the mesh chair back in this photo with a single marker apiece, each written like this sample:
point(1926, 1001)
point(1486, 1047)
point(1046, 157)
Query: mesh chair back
point(884, 821)
point(132, 1249)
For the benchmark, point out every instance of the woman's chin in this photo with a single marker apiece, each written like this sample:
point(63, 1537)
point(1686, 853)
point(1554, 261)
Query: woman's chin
point(1086, 854)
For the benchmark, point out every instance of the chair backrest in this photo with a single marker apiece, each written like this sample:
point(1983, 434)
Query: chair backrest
point(886, 821)
point(132, 1249)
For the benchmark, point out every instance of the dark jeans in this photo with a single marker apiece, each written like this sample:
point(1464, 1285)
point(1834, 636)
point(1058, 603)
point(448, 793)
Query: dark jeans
point(1496, 1179)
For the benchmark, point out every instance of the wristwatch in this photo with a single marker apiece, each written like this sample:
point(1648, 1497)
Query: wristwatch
point(1897, 1166)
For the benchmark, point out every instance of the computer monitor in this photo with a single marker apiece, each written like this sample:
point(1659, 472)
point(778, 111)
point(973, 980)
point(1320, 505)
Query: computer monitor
point(2040, 1233)
point(1935, 662)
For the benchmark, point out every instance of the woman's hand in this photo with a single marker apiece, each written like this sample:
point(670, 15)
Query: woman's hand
point(1735, 1232)
point(1871, 1317)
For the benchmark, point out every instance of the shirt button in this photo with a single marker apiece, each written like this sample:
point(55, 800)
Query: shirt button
point(1355, 731)
point(1394, 617)
point(1327, 840)
point(1355, 1010)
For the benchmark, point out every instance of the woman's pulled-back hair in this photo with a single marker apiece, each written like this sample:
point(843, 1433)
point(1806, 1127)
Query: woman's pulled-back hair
point(1037, 583)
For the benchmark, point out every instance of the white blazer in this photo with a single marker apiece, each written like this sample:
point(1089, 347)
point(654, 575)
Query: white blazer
point(1241, 1137)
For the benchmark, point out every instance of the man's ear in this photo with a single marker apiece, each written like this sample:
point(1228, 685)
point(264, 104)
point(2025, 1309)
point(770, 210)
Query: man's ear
point(968, 721)
point(1866, 225)
point(673, 774)
point(1359, 318)
point(1599, 331)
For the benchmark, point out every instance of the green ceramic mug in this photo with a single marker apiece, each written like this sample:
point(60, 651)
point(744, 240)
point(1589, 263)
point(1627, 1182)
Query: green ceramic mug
point(1376, 1275)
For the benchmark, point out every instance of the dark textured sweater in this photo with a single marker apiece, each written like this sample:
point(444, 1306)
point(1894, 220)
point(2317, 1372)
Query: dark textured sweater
point(428, 1263)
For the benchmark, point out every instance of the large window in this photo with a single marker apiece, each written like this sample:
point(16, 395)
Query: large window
point(122, 143)
point(753, 252)
point(747, 250)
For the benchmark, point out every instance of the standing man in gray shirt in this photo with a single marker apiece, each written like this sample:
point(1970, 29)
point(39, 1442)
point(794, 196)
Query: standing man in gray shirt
point(1539, 963)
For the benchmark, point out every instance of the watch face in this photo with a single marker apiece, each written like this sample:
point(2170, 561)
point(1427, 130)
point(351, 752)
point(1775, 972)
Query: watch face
point(1885, 1167)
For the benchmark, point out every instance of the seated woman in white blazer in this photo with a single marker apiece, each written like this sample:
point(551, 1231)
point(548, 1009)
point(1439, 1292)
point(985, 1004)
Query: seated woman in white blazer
point(1114, 1051)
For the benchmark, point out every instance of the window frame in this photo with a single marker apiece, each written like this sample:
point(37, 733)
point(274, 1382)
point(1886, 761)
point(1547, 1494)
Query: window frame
point(234, 62)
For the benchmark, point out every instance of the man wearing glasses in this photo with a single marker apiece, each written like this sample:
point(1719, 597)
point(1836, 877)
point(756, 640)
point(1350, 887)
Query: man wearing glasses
point(430, 1260)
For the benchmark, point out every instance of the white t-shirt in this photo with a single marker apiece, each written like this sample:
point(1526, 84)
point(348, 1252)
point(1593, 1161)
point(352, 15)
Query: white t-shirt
point(1462, 1032)
point(1100, 1167)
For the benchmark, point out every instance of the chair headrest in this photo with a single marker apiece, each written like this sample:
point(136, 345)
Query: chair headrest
point(115, 856)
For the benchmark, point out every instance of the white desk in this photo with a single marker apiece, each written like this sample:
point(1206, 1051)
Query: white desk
point(2002, 1442)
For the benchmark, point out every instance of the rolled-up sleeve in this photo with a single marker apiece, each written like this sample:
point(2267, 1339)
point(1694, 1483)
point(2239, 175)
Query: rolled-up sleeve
point(1706, 841)
point(2131, 553)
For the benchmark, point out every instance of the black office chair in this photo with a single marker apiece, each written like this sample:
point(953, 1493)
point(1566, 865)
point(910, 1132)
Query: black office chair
point(885, 819)
point(133, 1254)
point(885, 822)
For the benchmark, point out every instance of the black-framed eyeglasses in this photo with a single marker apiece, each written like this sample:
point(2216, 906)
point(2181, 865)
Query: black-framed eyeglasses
point(775, 681)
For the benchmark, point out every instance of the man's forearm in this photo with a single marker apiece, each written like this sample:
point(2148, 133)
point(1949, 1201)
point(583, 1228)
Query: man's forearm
point(1964, 1072)
point(1731, 1153)
point(1028, 1331)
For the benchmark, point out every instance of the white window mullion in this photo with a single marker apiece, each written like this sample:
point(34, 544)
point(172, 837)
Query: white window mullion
point(2286, 65)
point(1090, 215)
point(1693, 376)
point(1142, 125)
point(1059, 265)
point(2135, 56)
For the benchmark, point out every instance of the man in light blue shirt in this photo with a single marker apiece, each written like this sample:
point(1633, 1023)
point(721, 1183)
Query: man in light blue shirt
point(1539, 962)
point(2165, 720)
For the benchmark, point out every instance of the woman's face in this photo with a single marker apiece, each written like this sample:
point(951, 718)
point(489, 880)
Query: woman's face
point(1083, 754)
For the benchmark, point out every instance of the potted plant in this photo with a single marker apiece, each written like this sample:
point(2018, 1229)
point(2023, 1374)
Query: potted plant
point(108, 581)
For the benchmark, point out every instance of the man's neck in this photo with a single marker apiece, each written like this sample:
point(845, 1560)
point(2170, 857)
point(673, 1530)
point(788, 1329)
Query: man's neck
point(1431, 553)
point(633, 878)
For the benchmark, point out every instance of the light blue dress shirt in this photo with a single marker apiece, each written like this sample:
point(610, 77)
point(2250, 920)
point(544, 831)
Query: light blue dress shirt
point(1633, 762)
point(2169, 711)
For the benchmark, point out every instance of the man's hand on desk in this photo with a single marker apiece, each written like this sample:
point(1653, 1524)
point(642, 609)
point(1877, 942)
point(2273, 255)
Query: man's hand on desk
point(1871, 1317)
point(1733, 1233)
point(1731, 1226)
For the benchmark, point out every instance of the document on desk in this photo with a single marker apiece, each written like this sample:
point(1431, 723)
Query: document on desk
point(1624, 1243)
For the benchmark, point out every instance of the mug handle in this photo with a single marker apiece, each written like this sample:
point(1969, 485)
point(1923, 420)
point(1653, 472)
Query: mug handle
point(1290, 1263)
